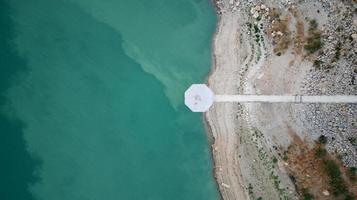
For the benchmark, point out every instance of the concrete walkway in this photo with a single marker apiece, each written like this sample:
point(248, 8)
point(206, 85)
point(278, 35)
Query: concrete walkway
point(199, 98)
point(286, 98)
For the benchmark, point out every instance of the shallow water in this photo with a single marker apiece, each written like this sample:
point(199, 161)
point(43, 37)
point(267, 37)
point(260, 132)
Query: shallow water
point(91, 99)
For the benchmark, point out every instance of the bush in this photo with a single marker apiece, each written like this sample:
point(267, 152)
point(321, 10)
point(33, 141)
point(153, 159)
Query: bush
point(313, 25)
point(353, 140)
point(317, 64)
point(352, 173)
point(338, 51)
point(250, 189)
point(322, 139)
point(314, 42)
point(256, 29)
point(257, 38)
point(307, 195)
point(320, 152)
point(275, 160)
point(339, 29)
point(349, 197)
point(336, 181)
point(285, 156)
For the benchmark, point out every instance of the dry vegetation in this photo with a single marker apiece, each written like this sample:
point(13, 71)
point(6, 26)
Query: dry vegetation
point(318, 175)
point(282, 37)
point(279, 31)
point(299, 38)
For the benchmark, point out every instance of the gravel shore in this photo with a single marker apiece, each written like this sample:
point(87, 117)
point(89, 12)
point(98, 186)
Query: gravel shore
point(249, 140)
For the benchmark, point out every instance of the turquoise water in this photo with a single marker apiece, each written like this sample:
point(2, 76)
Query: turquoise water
point(91, 99)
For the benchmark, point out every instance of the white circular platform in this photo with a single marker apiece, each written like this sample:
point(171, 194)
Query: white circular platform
point(199, 98)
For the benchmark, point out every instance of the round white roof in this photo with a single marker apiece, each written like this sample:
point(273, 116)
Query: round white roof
point(199, 98)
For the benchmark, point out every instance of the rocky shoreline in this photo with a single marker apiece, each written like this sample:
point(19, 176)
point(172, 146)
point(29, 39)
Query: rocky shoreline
point(262, 47)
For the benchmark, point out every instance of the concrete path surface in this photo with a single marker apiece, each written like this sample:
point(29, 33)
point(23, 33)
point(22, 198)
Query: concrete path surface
point(286, 98)
point(199, 98)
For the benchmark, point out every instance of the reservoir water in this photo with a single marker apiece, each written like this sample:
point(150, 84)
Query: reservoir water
point(92, 99)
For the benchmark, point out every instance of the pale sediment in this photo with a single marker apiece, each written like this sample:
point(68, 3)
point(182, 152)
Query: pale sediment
point(225, 60)
point(236, 150)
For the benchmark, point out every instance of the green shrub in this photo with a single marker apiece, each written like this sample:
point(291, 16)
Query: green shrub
point(338, 51)
point(313, 25)
point(257, 38)
point(353, 140)
point(307, 195)
point(275, 160)
point(317, 64)
point(349, 197)
point(320, 152)
point(336, 182)
point(256, 29)
point(352, 173)
point(322, 139)
point(285, 156)
point(339, 29)
point(250, 189)
point(314, 42)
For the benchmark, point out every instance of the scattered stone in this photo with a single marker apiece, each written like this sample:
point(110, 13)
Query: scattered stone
point(326, 193)
point(354, 36)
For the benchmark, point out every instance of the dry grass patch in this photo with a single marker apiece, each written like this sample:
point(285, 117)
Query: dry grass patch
point(279, 31)
point(299, 38)
point(316, 174)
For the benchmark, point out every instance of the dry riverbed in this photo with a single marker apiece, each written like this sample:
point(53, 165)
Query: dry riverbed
point(284, 47)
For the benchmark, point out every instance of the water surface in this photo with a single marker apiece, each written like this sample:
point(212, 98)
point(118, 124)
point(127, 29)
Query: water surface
point(92, 99)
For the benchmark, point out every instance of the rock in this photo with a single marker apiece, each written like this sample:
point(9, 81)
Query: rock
point(252, 10)
point(225, 185)
point(326, 193)
point(354, 36)
point(257, 8)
